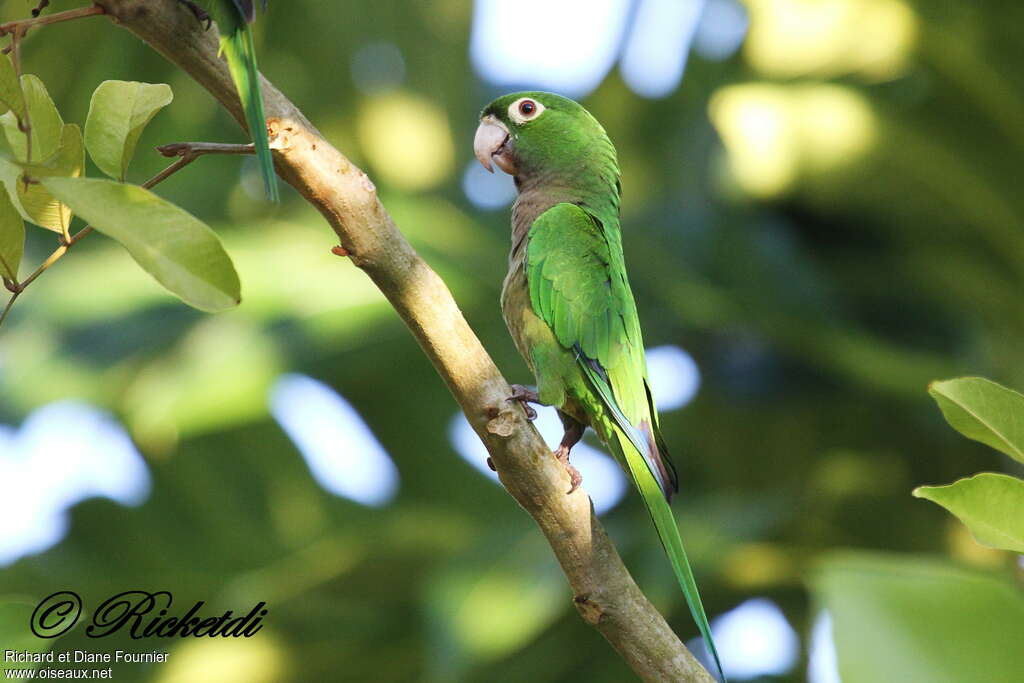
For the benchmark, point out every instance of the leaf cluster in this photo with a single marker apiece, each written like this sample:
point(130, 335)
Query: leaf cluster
point(990, 504)
point(42, 165)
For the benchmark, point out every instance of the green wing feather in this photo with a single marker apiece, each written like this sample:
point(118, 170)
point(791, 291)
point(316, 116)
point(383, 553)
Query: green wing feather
point(236, 42)
point(576, 276)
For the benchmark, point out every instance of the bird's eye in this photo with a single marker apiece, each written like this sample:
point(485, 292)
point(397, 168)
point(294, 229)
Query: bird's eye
point(525, 109)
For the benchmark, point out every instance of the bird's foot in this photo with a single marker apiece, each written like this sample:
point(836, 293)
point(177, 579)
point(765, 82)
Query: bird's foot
point(575, 478)
point(198, 12)
point(526, 396)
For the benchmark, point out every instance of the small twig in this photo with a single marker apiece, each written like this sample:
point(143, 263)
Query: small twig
point(23, 25)
point(191, 150)
point(69, 241)
point(7, 308)
point(52, 258)
point(169, 171)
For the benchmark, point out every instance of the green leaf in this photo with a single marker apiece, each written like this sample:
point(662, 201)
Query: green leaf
point(916, 620)
point(991, 505)
point(47, 125)
point(984, 411)
point(32, 200)
point(11, 98)
point(12, 238)
point(118, 112)
point(177, 249)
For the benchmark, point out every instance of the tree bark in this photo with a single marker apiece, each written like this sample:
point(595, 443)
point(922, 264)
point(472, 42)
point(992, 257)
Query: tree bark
point(604, 592)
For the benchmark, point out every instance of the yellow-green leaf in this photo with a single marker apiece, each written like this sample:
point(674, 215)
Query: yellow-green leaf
point(47, 125)
point(34, 202)
point(176, 248)
point(984, 411)
point(11, 98)
point(118, 113)
point(991, 505)
point(12, 238)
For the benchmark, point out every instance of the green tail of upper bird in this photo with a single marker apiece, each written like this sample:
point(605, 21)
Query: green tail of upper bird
point(236, 43)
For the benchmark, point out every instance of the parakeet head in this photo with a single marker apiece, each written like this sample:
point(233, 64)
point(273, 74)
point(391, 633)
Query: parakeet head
point(529, 133)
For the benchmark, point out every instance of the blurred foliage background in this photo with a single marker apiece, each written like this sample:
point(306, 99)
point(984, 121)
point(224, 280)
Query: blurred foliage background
point(821, 206)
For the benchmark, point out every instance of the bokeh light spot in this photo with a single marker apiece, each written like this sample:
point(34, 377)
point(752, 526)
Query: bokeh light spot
point(723, 25)
point(407, 140)
point(486, 190)
point(569, 51)
point(228, 660)
point(64, 453)
point(342, 453)
point(823, 664)
point(872, 38)
point(773, 132)
point(755, 639)
point(673, 375)
point(655, 56)
point(535, 606)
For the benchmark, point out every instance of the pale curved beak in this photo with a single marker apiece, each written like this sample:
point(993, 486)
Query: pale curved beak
point(489, 140)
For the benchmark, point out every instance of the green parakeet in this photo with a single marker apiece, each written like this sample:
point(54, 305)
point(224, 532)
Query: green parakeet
point(233, 18)
point(567, 301)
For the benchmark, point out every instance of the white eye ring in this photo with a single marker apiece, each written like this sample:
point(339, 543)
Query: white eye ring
point(516, 113)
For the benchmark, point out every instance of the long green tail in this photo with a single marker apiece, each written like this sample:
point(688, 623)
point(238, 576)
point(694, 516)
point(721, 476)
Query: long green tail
point(668, 532)
point(240, 52)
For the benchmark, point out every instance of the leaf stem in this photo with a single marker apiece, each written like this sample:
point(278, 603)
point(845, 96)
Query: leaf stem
point(24, 118)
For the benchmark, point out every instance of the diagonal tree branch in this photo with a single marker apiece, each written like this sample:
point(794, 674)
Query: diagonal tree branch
point(604, 592)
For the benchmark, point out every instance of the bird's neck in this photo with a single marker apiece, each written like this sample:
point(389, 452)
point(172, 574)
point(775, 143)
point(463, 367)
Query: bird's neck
point(596, 192)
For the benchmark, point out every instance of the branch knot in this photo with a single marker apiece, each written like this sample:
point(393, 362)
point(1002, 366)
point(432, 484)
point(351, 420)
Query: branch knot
point(502, 422)
point(591, 612)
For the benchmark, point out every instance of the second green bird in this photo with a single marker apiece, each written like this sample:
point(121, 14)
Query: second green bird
point(567, 301)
